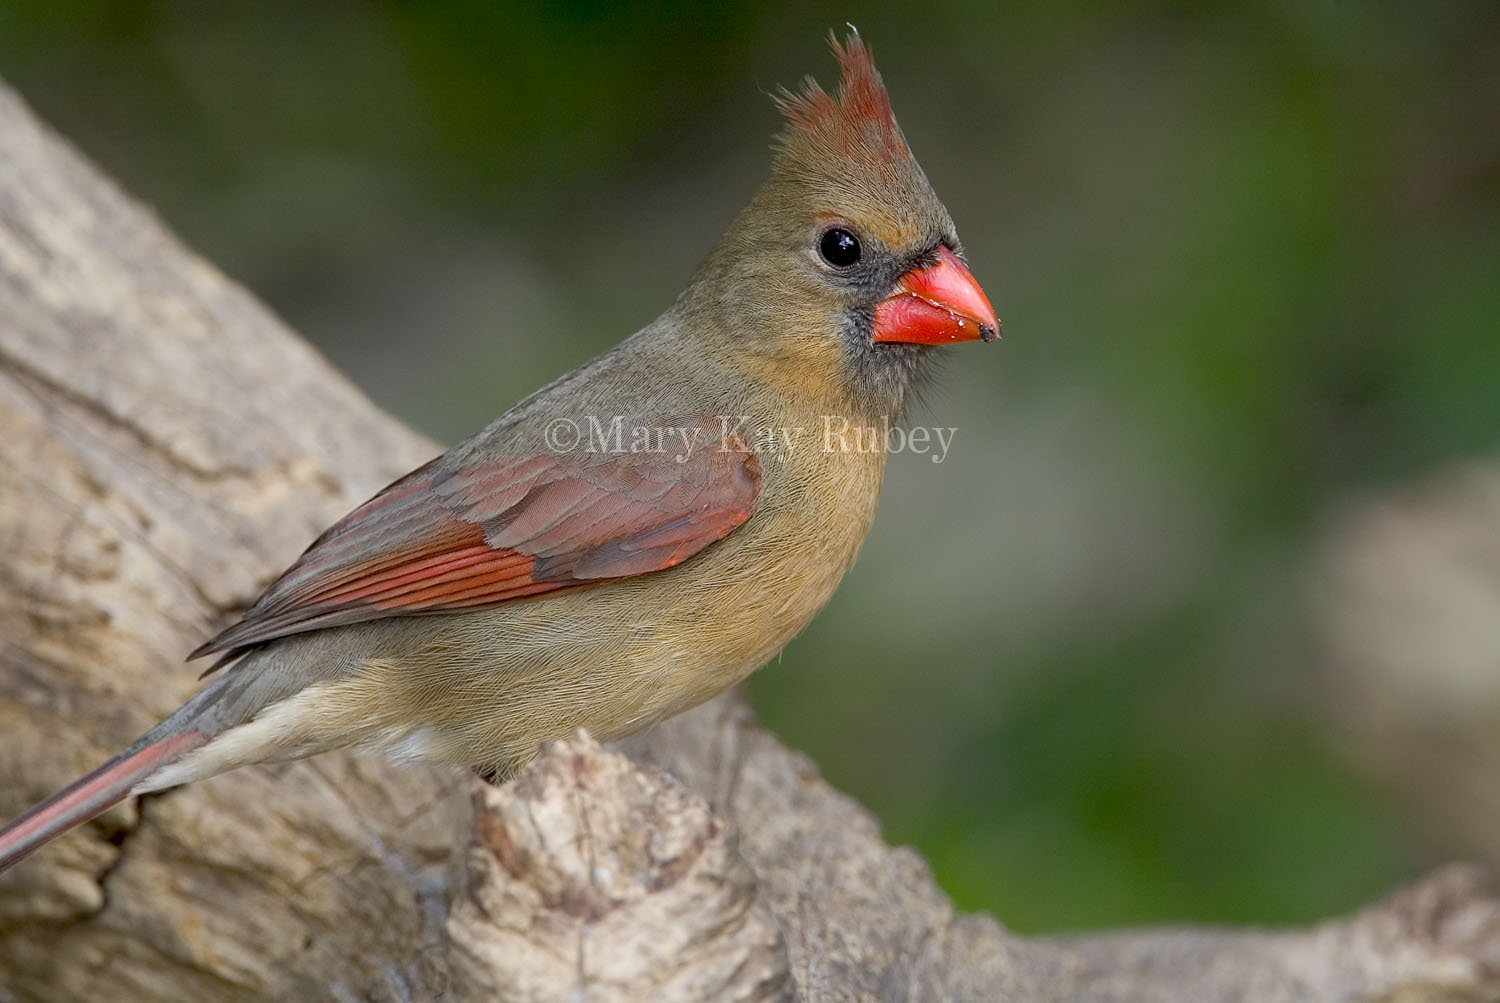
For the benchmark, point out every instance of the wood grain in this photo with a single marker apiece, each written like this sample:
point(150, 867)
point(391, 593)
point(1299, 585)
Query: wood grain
point(167, 447)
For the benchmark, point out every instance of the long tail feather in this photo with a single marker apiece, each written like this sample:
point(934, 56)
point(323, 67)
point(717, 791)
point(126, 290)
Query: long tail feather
point(93, 794)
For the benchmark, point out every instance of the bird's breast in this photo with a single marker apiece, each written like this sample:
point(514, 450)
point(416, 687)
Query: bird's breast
point(769, 578)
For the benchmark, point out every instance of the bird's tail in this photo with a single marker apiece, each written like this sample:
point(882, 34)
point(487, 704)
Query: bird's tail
point(93, 794)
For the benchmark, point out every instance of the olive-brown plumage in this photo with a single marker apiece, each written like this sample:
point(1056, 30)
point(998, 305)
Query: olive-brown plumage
point(628, 541)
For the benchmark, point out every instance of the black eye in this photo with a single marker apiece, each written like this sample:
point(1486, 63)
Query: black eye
point(839, 247)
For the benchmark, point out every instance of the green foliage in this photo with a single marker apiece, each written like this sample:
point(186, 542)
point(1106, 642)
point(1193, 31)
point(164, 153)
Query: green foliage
point(1247, 260)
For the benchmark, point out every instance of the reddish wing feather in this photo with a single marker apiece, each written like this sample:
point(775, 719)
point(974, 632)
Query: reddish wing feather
point(440, 540)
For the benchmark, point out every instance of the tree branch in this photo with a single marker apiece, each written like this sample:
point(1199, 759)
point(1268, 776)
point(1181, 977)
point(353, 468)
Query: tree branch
point(168, 445)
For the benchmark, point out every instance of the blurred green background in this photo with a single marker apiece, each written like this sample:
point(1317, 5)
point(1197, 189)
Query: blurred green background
point(1248, 261)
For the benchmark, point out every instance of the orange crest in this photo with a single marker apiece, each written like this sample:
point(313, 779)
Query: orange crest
point(859, 122)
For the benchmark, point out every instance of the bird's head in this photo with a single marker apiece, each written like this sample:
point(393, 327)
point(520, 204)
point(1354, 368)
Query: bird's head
point(845, 269)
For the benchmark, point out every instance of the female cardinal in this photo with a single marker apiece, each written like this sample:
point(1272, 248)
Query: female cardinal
point(628, 541)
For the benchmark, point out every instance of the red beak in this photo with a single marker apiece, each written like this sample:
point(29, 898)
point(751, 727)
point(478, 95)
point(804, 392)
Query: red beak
point(936, 305)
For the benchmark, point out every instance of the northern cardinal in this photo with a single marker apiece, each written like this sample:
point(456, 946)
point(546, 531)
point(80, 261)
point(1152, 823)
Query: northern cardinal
point(630, 540)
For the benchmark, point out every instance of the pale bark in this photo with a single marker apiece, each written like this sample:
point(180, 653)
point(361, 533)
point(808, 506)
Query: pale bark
point(167, 447)
point(1406, 595)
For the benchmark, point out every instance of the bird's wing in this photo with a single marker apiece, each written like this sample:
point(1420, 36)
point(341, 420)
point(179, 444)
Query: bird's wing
point(479, 535)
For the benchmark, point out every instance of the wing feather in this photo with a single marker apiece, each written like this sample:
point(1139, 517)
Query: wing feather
point(490, 532)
